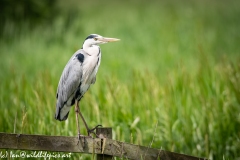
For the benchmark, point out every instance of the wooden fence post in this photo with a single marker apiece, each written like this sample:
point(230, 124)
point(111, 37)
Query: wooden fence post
point(104, 133)
point(98, 147)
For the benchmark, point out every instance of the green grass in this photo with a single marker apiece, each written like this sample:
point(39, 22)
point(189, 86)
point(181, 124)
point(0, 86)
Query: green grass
point(176, 70)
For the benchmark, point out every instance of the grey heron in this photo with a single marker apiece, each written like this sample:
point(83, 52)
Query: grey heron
point(77, 76)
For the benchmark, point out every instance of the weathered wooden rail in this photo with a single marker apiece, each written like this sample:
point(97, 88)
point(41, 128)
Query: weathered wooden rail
point(103, 147)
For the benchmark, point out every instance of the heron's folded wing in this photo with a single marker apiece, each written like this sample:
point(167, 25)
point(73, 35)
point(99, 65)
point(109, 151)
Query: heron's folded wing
point(69, 81)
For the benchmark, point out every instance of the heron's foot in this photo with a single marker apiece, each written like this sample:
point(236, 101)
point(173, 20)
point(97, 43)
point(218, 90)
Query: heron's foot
point(81, 139)
point(92, 131)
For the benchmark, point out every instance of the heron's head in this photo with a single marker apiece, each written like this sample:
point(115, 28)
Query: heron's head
point(95, 39)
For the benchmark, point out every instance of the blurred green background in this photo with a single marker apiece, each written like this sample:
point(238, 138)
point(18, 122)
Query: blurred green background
point(174, 77)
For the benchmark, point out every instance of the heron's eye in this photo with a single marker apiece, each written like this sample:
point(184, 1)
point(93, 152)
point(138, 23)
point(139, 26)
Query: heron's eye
point(95, 39)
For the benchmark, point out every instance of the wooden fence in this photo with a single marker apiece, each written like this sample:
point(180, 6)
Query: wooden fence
point(103, 147)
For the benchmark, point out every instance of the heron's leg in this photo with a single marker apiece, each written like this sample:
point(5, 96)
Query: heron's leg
point(88, 130)
point(77, 111)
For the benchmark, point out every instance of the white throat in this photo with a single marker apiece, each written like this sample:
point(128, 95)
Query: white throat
point(91, 50)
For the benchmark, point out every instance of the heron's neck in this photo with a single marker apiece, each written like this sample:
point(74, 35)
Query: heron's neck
point(92, 50)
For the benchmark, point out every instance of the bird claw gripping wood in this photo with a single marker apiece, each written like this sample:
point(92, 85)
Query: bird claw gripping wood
point(80, 140)
point(92, 131)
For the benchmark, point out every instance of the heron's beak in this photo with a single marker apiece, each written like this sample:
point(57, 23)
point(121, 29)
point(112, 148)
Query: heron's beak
point(106, 39)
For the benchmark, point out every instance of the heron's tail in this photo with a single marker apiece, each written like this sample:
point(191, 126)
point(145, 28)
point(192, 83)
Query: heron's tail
point(62, 113)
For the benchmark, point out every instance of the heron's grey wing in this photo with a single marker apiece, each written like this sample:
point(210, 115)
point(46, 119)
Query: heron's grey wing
point(69, 82)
